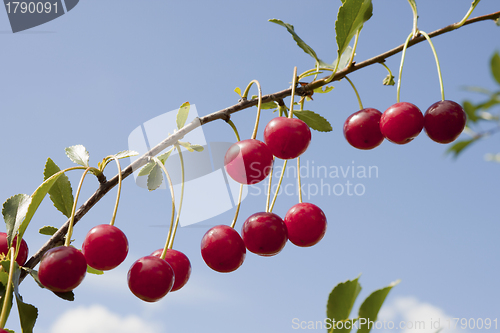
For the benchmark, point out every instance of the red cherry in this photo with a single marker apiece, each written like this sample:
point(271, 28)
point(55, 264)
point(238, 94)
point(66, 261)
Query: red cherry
point(444, 121)
point(248, 161)
point(62, 269)
point(264, 234)
point(223, 249)
point(150, 278)
point(179, 263)
point(23, 249)
point(105, 247)
point(306, 224)
point(401, 123)
point(287, 138)
point(362, 129)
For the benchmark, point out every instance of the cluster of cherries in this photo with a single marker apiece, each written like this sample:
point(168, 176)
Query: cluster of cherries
point(264, 233)
point(402, 122)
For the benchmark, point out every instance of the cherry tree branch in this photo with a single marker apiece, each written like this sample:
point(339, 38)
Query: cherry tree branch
point(224, 114)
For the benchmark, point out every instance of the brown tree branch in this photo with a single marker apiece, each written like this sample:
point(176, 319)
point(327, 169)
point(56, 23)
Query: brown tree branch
point(224, 114)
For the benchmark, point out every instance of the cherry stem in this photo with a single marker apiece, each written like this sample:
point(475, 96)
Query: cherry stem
point(353, 48)
point(437, 63)
point(8, 292)
point(269, 186)
point(67, 242)
point(388, 69)
point(298, 180)
point(233, 126)
point(413, 5)
point(356, 91)
point(403, 54)
point(169, 180)
point(294, 83)
point(241, 185)
point(317, 69)
point(277, 188)
point(182, 197)
point(471, 9)
point(119, 188)
point(245, 94)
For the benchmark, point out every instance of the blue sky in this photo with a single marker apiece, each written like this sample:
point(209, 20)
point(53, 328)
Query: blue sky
point(95, 74)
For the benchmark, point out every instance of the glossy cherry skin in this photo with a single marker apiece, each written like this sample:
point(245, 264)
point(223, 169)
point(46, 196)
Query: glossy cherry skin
point(179, 263)
point(362, 129)
point(223, 249)
point(23, 248)
point(401, 123)
point(306, 224)
point(287, 138)
point(105, 247)
point(264, 234)
point(248, 161)
point(444, 121)
point(150, 278)
point(62, 269)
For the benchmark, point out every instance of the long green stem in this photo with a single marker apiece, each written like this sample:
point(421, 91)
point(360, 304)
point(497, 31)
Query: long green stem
point(67, 242)
point(351, 59)
point(240, 194)
point(268, 196)
point(233, 126)
point(245, 94)
point(278, 188)
point(437, 63)
point(169, 180)
point(471, 9)
point(312, 70)
point(181, 198)
point(119, 189)
point(403, 54)
point(298, 180)
point(355, 91)
point(8, 291)
point(294, 83)
point(413, 5)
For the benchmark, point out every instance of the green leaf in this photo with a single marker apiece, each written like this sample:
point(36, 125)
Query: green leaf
point(47, 230)
point(350, 18)
point(126, 153)
point(341, 301)
point(470, 110)
point(389, 80)
point(78, 154)
point(182, 115)
point(237, 90)
point(155, 178)
point(268, 105)
point(186, 145)
point(323, 90)
point(313, 120)
point(27, 312)
point(68, 296)
point(61, 192)
point(14, 212)
point(197, 148)
point(163, 157)
point(368, 311)
point(147, 168)
point(459, 146)
point(495, 66)
point(306, 48)
point(92, 270)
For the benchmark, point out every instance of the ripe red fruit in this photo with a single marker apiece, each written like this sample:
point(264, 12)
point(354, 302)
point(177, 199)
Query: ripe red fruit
point(362, 129)
point(248, 161)
point(306, 224)
point(287, 138)
point(150, 278)
point(264, 234)
point(179, 263)
point(444, 121)
point(23, 248)
point(62, 269)
point(223, 249)
point(401, 123)
point(105, 247)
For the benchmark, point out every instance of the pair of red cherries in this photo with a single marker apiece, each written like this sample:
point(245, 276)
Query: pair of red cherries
point(402, 122)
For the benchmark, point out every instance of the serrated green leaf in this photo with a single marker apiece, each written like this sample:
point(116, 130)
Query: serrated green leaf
point(368, 311)
point(459, 146)
point(78, 154)
point(182, 115)
point(495, 67)
point(14, 212)
point(186, 145)
point(341, 300)
point(47, 230)
point(61, 192)
point(155, 178)
point(389, 80)
point(126, 153)
point(268, 105)
point(92, 270)
point(306, 48)
point(350, 18)
point(27, 312)
point(313, 120)
point(147, 168)
point(163, 157)
point(237, 90)
point(323, 90)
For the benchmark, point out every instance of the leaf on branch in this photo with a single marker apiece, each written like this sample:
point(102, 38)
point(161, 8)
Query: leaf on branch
point(47, 230)
point(61, 192)
point(314, 120)
point(371, 306)
point(14, 212)
point(182, 115)
point(147, 168)
point(78, 154)
point(237, 90)
point(163, 157)
point(155, 178)
point(68, 296)
point(266, 106)
point(190, 147)
point(126, 153)
point(459, 146)
point(470, 110)
point(495, 67)
point(350, 18)
point(323, 90)
point(341, 300)
point(4, 278)
point(389, 80)
point(27, 312)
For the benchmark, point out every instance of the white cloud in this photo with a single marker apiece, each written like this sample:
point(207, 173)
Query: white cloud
point(98, 319)
point(416, 317)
